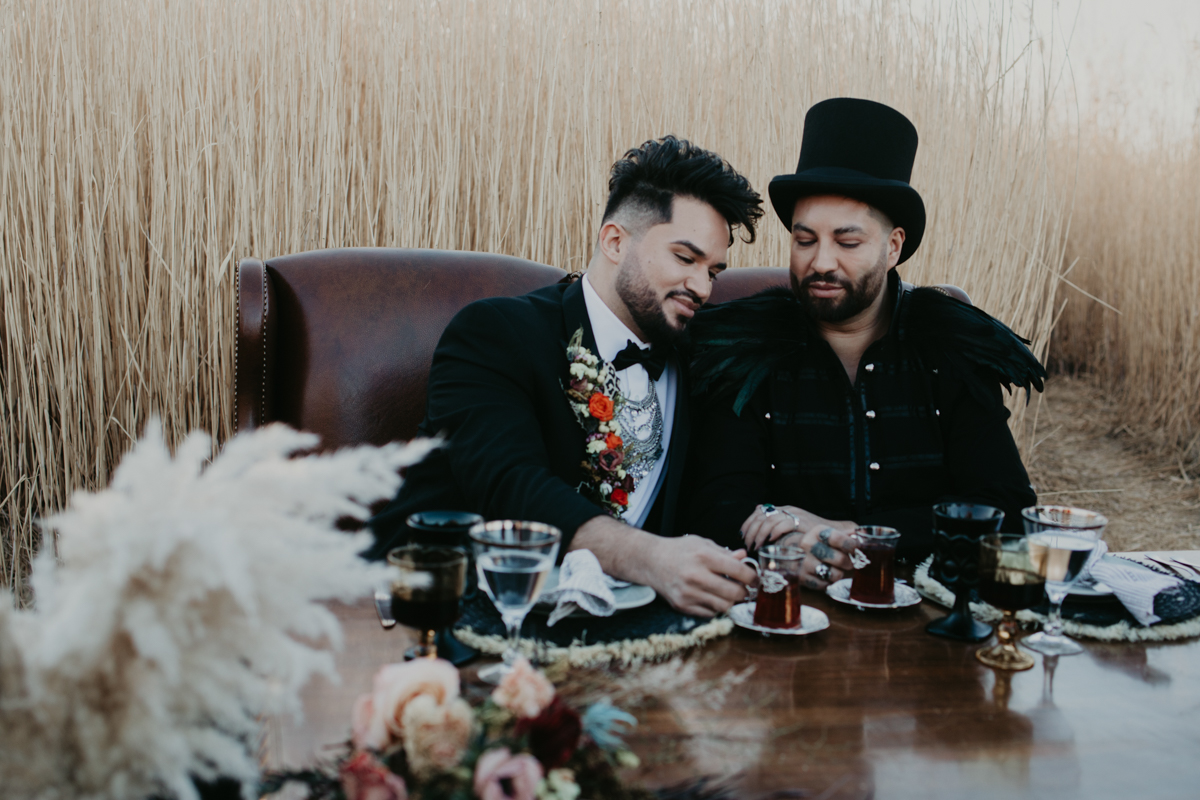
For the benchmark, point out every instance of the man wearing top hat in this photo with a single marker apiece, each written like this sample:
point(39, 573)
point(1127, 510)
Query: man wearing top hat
point(569, 405)
point(851, 398)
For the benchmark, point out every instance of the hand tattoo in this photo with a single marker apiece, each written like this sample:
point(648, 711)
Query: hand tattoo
point(825, 535)
point(823, 551)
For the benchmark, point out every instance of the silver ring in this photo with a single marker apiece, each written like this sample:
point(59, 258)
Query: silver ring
point(825, 535)
point(768, 509)
point(794, 518)
point(824, 572)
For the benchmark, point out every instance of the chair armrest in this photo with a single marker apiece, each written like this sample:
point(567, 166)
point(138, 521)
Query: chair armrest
point(254, 347)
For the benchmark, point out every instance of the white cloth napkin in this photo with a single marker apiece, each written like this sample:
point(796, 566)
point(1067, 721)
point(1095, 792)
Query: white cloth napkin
point(1134, 585)
point(582, 584)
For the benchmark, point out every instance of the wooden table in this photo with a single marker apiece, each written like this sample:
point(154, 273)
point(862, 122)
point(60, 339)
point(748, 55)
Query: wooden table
point(874, 707)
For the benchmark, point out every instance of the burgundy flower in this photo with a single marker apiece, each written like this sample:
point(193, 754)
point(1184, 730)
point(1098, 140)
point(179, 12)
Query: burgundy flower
point(553, 734)
point(610, 459)
point(579, 385)
point(627, 483)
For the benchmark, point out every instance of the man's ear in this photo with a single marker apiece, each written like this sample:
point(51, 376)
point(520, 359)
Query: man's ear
point(895, 245)
point(613, 241)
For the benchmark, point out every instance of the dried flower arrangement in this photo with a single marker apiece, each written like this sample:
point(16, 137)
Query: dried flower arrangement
point(414, 735)
point(185, 606)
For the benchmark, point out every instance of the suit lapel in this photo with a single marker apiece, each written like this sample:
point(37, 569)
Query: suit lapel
point(575, 316)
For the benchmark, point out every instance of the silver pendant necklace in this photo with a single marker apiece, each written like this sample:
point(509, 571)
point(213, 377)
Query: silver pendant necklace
point(642, 422)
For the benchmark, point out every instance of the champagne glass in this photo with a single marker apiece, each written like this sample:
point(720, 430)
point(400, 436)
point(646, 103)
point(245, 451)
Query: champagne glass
point(513, 560)
point(1009, 581)
point(957, 528)
point(426, 591)
point(1061, 540)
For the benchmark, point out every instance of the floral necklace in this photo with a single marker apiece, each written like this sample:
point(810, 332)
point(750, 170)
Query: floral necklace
point(596, 398)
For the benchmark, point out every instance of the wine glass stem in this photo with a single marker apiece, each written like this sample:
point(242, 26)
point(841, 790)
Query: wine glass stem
point(1054, 623)
point(514, 638)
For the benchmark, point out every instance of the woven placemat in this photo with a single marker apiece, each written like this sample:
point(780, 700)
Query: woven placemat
point(651, 633)
point(1106, 622)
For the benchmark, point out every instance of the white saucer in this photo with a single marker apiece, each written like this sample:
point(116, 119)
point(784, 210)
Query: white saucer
point(905, 595)
point(811, 621)
point(629, 595)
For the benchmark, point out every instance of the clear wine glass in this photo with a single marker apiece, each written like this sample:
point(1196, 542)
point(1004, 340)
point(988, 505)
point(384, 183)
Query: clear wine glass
point(513, 560)
point(1061, 540)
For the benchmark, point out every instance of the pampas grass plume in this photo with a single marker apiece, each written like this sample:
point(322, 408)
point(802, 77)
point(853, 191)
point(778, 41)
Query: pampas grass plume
point(187, 603)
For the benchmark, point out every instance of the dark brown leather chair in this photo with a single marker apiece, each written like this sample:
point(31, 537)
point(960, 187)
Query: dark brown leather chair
point(339, 342)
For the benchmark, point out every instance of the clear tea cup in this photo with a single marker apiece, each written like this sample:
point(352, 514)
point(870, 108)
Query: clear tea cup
point(777, 599)
point(874, 580)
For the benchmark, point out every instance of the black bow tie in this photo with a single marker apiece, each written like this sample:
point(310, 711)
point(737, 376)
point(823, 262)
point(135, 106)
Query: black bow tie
point(654, 359)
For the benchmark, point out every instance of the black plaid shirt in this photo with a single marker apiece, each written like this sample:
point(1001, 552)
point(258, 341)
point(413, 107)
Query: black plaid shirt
point(905, 435)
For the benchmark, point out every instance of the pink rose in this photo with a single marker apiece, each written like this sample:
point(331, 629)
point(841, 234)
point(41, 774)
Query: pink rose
point(525, 691)
point(377, 721)
point(610, 459)
point(436, 735)
point(364, 778)
point(496, 767)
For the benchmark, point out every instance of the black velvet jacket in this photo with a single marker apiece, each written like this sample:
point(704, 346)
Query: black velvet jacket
point(777, 419)
point(514, 448)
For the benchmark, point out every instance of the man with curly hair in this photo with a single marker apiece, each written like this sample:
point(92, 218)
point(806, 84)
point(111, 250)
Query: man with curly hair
point(520, 447)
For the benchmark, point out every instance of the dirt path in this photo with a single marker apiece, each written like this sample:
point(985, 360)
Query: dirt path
point(1084, 455)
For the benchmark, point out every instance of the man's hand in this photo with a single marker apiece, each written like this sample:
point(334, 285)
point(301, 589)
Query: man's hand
point(694, 574)
point(828, 543)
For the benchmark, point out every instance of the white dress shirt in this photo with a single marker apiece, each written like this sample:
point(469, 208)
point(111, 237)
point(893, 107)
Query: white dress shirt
point(612, 336)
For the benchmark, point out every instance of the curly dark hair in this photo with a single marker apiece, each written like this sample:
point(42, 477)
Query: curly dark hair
point(650, 177)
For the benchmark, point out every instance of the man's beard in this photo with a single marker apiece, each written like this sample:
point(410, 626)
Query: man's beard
point(856, 298)
point(645, 307)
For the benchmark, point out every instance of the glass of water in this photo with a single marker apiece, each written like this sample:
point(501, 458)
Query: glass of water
point(513, 560)
point(1061, 540)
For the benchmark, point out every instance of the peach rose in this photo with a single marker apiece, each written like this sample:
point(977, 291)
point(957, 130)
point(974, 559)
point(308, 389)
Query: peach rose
point(523, 773)
point(525, 691)
point(368, 729)
point(364, 778)
point(436, 735)
point(378, 717)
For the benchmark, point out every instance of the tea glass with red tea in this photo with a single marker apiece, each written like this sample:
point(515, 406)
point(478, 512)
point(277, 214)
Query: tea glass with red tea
point(874, 580)
point(777, 604)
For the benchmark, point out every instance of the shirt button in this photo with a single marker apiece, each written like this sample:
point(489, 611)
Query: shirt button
point(870, 415)
point(870, 367)
point(874, 466)
point(767, 415)
point(772, 466)
point(937, 412)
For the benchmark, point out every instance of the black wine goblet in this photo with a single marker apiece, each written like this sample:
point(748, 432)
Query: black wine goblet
point(957, 529)
point(448, 529)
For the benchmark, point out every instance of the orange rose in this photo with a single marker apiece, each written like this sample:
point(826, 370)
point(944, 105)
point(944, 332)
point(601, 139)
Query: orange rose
point(613, 442)
point(601, 407)
point(619, 497)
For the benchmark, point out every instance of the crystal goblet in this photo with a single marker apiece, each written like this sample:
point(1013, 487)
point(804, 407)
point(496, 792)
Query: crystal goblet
point(1061, 541)
point(513, 560)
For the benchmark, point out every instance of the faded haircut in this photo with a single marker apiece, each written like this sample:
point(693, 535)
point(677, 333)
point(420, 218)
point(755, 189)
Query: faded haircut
point(646, 180)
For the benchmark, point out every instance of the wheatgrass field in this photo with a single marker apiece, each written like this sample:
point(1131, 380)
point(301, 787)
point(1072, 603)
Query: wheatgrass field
point(149, 145)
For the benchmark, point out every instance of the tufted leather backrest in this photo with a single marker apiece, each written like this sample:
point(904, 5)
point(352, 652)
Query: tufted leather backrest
point(339, 342)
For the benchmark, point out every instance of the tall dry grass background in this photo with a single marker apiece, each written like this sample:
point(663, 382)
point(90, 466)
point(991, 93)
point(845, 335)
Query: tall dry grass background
point(148, 145)
point(1135, 248)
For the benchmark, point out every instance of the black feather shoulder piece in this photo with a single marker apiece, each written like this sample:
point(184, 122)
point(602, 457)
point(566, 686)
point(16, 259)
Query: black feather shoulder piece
point(975, 344)
point(736, 345)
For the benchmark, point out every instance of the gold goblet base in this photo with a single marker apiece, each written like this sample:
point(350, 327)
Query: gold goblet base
point(426, 648)
point(1004, 654)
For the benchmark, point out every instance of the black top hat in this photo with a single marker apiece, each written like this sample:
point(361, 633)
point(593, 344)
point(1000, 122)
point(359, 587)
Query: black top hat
point(858, 149)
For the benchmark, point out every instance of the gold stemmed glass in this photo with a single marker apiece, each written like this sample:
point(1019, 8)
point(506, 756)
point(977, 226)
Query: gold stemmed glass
point(426, 591)
point(1008, 580)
